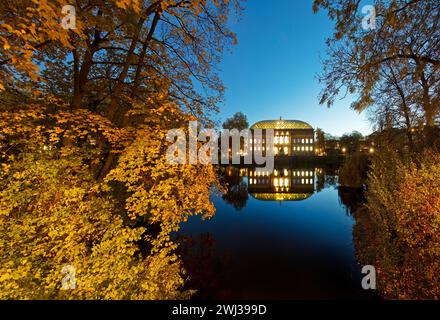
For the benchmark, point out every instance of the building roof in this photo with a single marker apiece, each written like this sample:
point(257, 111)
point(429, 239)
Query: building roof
point(282, 125)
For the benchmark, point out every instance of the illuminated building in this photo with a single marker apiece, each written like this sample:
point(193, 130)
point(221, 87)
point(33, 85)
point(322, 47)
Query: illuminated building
point(292, 137)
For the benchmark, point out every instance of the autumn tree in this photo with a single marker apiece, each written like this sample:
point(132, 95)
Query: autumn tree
point(403, 47)
point(86, 111)
point(393, 70)
point(398, 230)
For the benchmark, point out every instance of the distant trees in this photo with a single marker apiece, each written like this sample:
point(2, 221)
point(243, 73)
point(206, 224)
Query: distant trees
point(237, 121)
point(351, 141)
point(319, 139)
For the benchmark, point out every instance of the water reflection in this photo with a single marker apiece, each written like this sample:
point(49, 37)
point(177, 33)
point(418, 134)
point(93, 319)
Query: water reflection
point(283, 184)
point(279, 235)
point(236, 187)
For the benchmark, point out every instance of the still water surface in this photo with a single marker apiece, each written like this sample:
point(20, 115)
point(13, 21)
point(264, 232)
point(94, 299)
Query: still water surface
point(282, 236)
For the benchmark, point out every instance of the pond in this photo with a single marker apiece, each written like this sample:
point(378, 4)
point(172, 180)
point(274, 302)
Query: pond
point(285, 235)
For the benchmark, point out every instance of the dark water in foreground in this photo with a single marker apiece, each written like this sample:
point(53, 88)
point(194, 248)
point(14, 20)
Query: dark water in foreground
point(283, 236)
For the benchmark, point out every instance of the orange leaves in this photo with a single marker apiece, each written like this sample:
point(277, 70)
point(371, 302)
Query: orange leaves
point(400, 232)
point(419, 200)
point(129, 5)
point(25, 27)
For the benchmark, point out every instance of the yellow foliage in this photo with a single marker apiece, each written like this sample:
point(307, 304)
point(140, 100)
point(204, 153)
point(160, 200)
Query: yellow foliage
point(53, 214)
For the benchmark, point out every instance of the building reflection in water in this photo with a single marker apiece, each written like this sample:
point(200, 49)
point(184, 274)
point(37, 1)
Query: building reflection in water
point(231, 257)
point(283, 184)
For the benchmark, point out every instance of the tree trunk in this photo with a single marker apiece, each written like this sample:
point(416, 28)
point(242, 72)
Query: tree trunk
point(81, 75)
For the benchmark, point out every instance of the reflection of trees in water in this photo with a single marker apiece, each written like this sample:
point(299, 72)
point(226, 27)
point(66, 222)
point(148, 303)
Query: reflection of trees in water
point(326, 178)
point(352, 198)
point(237, 195)
point(236, 189)
point(203, 264)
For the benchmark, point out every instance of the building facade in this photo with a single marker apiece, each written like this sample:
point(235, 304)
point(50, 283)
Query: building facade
point(292, 137)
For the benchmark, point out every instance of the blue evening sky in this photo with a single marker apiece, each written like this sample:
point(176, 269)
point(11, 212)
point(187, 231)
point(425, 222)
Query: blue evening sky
point(272, 71)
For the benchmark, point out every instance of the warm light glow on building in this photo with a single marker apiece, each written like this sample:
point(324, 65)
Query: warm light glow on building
point(292, 137)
